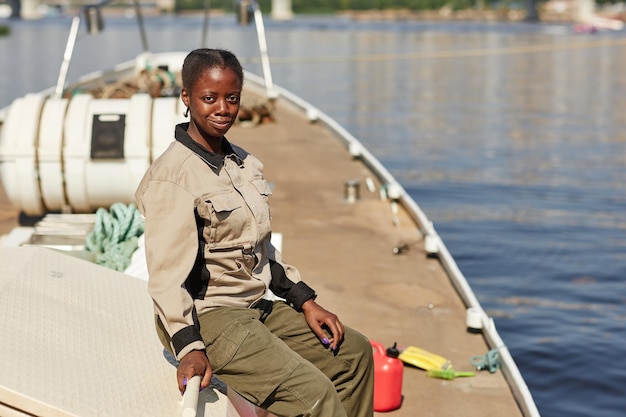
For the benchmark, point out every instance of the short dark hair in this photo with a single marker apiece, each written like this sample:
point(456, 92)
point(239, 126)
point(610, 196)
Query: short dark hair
point(199, 60)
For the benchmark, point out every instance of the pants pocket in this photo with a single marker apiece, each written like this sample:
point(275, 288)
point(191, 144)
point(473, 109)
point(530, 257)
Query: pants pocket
point(225, 346)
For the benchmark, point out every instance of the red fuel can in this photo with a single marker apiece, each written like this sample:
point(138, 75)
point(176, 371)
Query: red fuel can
point(388, 371)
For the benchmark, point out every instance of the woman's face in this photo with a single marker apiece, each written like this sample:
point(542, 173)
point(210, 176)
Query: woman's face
point(213, 102)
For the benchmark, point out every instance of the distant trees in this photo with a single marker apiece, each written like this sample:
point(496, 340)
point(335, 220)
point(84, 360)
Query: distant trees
point(330, 6)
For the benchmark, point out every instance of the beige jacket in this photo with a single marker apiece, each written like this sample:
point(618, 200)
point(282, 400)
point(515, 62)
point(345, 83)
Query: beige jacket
point(207, 231)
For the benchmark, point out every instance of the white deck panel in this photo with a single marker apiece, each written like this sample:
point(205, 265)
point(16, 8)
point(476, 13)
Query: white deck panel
point(77, 339)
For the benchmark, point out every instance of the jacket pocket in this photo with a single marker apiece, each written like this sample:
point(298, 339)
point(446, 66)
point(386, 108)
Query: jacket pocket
point(262, 186)
point(226, 220)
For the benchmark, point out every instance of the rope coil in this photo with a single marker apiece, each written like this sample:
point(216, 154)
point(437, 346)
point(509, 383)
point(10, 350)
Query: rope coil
point(114, 236)
point(490, 361)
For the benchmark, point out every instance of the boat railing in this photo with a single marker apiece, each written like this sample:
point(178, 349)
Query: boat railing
point(93, 17)
point(245, 9)
point(94, 26)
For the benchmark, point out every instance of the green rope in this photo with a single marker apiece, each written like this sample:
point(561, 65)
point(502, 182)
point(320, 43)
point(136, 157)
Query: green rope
point(489, 361)
point(114, 236)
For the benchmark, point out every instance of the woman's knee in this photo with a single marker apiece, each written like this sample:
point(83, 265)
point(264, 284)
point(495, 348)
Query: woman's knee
point(306, 392)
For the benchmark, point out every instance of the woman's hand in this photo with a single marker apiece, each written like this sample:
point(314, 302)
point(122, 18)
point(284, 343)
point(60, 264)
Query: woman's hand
point(319, 319)
point(193, 363)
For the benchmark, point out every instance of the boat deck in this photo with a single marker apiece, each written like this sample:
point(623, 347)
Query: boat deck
point(346, 252)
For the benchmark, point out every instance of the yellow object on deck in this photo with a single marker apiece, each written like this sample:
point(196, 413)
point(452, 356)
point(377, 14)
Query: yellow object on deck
point(423, 359)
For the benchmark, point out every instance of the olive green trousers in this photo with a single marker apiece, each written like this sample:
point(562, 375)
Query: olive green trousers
point(280, 365)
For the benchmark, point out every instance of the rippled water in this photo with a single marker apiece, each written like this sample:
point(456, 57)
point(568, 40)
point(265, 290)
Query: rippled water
point(512, 137)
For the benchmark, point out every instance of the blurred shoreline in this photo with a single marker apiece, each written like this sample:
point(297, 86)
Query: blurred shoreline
point(553, 11)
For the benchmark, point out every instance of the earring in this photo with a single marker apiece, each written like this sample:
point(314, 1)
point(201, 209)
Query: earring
point(186, 112)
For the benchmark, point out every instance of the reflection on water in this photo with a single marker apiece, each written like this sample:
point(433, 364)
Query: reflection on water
point(511, 136)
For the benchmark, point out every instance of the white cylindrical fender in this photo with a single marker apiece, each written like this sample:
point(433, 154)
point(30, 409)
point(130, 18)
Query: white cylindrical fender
point(166, 114)
point(106, 150)
point(50, 146)
point(82, 153)
point(8, 136)
point(394, 191)
point(137, 142)
point(76, 151)
point(18, 153)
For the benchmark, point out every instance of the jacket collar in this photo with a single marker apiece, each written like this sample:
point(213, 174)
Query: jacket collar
point(211, 158)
